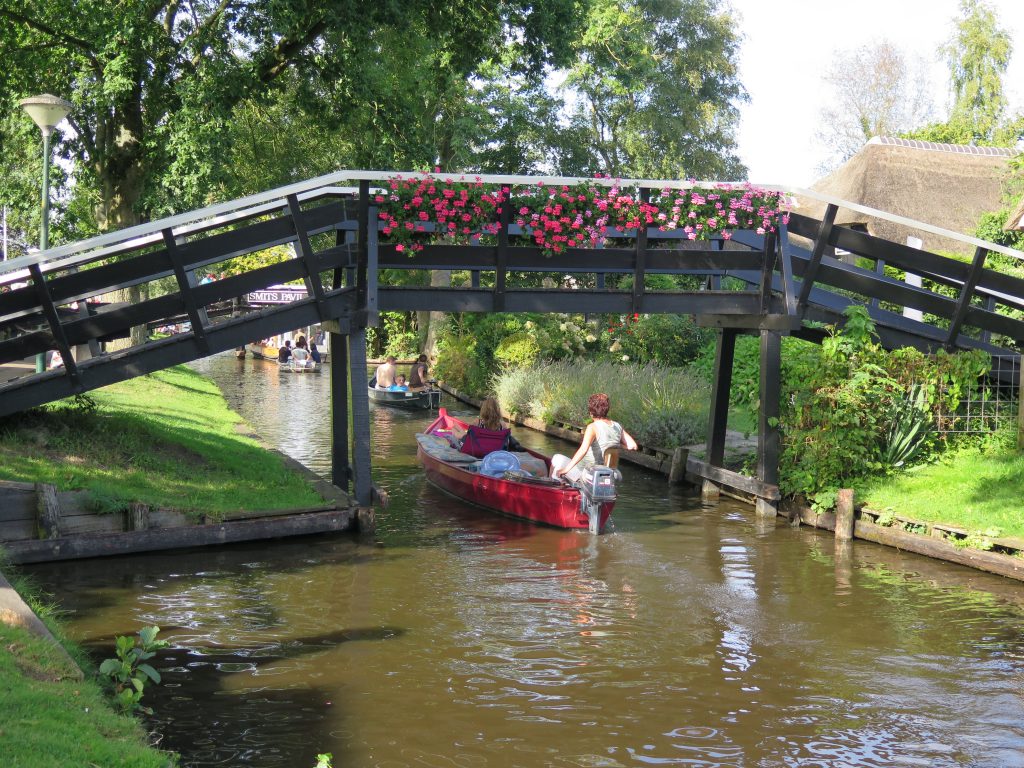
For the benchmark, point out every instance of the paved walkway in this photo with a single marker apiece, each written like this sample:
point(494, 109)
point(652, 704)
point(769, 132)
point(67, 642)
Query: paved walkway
point(738, 448)
point(9, 371)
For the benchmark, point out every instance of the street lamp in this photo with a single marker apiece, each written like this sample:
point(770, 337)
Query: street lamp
point(46, 111)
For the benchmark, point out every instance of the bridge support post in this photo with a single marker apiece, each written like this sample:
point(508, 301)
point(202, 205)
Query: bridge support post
point(719, 416)
point(361, 469)
point(341, 472)
point(768, 438)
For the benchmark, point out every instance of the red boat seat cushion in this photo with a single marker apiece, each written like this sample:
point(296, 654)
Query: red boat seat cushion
point(480, 441)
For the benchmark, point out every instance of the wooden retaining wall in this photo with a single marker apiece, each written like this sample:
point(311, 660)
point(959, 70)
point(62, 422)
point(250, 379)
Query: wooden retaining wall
point(38, 524)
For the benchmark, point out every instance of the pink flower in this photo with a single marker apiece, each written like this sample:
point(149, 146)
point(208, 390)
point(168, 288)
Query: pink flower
point(399, 247)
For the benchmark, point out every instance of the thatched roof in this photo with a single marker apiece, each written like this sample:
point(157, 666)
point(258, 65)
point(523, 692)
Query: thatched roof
point(946, 185)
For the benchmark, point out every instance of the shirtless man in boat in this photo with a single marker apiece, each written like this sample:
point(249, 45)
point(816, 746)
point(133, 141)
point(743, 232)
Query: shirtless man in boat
point(386, 373)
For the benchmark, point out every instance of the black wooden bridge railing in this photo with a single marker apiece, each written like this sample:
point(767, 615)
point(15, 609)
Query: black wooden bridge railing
point(784, 279)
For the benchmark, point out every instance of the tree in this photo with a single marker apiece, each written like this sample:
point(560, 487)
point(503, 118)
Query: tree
point(978, 55)
point(156, 83)
point(656, 89)
point(876, 91)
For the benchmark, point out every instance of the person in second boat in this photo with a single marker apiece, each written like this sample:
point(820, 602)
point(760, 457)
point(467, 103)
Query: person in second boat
point(399, 385)
point(489, 433)
point(601, 434)
point(386, 371)
point(418, 374)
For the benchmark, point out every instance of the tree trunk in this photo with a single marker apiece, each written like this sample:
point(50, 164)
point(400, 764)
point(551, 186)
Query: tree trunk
point(439, 278)
point(121, 174)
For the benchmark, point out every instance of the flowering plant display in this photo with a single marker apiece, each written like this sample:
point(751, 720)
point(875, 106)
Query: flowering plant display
point(456, 212)
point(424, 209)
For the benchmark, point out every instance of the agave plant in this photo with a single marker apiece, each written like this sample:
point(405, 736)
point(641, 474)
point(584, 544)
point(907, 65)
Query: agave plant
point(910, 426)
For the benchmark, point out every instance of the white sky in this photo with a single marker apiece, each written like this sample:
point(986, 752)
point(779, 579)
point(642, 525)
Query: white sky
point(788, 45)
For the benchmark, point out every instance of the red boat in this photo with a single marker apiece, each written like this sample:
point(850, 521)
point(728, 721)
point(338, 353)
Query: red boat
point(527, 494)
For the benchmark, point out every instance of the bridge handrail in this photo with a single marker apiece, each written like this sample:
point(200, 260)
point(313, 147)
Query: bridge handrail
point(65, 256)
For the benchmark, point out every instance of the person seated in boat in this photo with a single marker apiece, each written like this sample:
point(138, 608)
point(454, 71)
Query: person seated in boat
point(314, 353)
point(284, 354)
point(601, 435)
point(418, 374)
point(489, 433)
point(300, 355)
point(399, 385)
point(386, 371)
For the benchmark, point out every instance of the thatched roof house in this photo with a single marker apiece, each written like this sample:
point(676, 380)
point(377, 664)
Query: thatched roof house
point(946, 185)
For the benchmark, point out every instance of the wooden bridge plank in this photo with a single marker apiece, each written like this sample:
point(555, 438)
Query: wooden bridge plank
point(529, 259)
point(43, 388)
point(56, 328)
point(966, 294)
point(186, 282)
point(732, 479)
point(820, 238)
point(311, 275)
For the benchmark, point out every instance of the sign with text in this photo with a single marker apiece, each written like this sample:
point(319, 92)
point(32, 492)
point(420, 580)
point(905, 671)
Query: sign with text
point(277, 294)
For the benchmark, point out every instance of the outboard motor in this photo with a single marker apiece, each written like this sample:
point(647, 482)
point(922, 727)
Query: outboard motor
point(596, 488)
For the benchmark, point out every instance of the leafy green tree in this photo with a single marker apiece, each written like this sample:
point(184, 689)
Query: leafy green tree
point(978, 55)
point(156, 84)
point(657, 87)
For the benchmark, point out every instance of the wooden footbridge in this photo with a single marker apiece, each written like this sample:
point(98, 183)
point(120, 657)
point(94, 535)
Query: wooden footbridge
point(784, 279)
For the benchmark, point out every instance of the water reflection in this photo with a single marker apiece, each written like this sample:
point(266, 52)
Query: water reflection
point(687, 637)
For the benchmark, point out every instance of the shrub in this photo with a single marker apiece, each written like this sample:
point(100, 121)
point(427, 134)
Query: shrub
point(455, 362)
point(850, 408)
point(669, 340)
point(517, 351)
point(659, 406)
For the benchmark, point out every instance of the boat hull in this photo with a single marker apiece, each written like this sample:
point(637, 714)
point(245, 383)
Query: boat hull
point(425, 400)
point(557, 506)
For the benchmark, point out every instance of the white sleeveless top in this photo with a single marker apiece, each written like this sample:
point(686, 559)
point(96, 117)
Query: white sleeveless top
point(608, 434)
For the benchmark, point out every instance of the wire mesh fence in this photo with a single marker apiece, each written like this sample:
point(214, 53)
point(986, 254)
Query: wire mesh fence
point(988, 406)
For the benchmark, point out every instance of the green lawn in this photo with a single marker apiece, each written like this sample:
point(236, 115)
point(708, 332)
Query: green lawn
point(972, 488)
point(167, 439)
point(51, 719)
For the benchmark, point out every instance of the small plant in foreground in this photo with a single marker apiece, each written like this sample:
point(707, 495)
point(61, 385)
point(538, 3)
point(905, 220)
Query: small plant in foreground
point(324, 760)
point(129, 672)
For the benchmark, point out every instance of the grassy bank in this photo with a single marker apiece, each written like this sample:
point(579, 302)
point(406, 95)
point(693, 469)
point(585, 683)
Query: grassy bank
point(167, 439)
point(51, 718)
point(977, 488)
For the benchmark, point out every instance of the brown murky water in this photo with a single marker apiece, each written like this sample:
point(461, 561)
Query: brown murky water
point(688, 636)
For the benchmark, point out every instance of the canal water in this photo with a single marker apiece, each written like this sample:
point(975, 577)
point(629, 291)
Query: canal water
point(687, 636)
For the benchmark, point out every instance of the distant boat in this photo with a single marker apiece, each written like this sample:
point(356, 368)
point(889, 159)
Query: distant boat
point(293, 366)
point(528, 493)
point(269, 352)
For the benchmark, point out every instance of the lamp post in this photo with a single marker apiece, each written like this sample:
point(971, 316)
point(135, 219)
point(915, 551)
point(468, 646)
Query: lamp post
point(46, 111)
